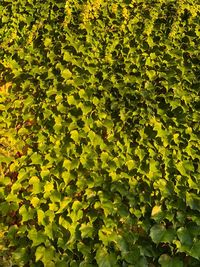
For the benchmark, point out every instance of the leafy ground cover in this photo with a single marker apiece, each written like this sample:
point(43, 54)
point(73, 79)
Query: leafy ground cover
point(99, 144)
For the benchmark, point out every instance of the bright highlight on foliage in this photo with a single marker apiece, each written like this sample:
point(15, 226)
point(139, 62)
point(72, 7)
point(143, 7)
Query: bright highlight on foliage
point(99, 137)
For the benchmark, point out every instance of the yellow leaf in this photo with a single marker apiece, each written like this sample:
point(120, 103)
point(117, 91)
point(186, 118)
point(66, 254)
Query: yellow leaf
point(35, 201)
point(41, 216)
point(48, 187)
point(4, 88)
point(130, 164)
point(75, 136)
point(67, 164)
point(156, 210)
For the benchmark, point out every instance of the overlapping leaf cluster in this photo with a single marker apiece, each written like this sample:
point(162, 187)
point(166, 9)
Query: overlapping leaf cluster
point(100, 132)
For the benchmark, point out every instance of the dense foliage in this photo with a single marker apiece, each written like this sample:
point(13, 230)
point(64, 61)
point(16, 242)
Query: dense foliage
point(99, 145)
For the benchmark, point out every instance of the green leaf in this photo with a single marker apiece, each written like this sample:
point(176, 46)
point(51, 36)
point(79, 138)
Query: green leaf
point(86, 230)
point(46, 255)
point(6, 159)
point(37, 237)
point(195, 251)
point(184, 236)
point(39, 253)
point(181, 168)
point(20, 256)
point(159, 233)
point(61, 108)
point(36, 185)
point(133, 256)
point(36, 158)
point(91, 135)
point(193, 201)
point(151, 74)
point(104, 259)
point(104, 156)
point(61, 263)
point(77, 205)
point(167, 261)
point(49, 231)
point(27, 214)
point(188, 166)
point(85, 108)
